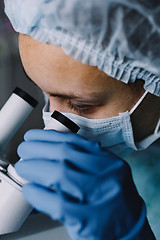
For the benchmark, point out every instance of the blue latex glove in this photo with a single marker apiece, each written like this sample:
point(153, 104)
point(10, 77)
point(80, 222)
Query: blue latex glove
point(95, 196)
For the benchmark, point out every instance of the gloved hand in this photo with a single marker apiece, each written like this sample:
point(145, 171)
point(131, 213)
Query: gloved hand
point(88, 189)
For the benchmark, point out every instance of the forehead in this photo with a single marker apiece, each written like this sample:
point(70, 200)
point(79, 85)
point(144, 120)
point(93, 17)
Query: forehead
point(52, 69)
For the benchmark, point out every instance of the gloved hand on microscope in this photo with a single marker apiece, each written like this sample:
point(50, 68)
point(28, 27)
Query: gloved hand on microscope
point(90, 190)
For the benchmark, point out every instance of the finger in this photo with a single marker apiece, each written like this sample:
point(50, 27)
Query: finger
point(49, 135)
point(65, 152)
point(41, 150)
point(43, 200)
point(55, 136)
point(54, 176)
point(53, 204)
point(43, 172)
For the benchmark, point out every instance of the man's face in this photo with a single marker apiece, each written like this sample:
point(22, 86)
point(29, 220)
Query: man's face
point(74, 87)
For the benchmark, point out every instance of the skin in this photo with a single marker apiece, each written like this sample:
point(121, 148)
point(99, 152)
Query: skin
point(90, 92)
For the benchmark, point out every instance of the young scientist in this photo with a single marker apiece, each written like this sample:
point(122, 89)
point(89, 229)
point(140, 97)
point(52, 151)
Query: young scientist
point(98, 63)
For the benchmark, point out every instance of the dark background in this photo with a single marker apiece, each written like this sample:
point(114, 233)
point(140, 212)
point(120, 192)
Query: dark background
point(12, 75)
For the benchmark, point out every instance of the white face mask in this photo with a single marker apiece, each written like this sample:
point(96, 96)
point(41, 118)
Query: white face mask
point(115, 133)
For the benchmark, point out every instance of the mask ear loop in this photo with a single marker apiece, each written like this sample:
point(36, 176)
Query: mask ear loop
point(157, 127)
point(138, 103)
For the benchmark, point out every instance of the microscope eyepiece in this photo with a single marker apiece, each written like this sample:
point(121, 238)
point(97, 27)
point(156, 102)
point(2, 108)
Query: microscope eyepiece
point(25, 96)
point(73, 127)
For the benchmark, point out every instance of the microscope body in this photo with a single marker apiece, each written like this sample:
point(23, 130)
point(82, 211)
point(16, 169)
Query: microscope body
point(14, 208)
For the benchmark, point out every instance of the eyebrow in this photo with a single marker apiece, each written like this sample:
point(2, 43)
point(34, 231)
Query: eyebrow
point(64, 96)
point(73, 96)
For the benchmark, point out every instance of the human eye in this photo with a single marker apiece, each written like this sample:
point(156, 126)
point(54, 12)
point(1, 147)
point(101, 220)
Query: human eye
point(79, 108)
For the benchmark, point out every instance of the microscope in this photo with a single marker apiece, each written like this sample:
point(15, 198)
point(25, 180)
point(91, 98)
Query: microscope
point(13, 207)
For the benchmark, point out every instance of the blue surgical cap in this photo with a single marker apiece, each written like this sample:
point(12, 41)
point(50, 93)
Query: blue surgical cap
point(120, 37)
